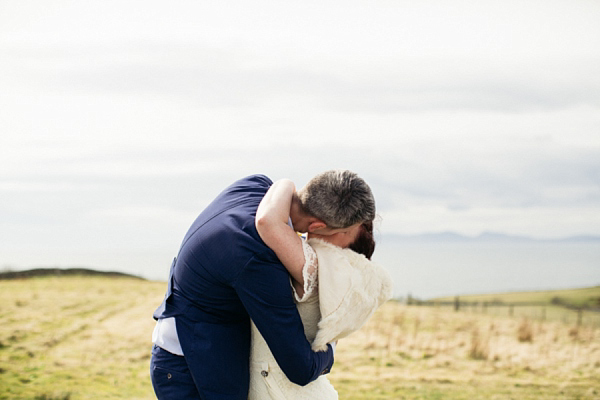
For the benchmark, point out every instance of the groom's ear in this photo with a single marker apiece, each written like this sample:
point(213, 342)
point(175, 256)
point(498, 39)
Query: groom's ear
point(316, 226)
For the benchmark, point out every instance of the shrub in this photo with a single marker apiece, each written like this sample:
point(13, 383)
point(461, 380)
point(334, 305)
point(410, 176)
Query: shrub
point(557, 301)
point(480, 348)
point(525, 331)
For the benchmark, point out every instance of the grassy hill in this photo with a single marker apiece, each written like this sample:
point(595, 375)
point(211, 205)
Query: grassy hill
point(36, 272)
point(89, 337)
point(583, 297)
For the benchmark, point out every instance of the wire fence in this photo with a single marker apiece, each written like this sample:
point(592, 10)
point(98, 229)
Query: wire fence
point(533, 310)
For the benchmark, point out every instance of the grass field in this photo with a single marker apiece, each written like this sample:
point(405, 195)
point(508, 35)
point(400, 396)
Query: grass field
point(572, 306)
point(89, 338)
point(583, 297)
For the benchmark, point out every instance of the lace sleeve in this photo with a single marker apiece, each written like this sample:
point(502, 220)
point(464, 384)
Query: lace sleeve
point(309, 273)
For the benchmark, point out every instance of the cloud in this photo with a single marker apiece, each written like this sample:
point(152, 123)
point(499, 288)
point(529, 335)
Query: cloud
point(222, 78)
point(466, 117)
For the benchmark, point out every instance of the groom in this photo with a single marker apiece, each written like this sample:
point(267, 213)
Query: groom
point(224, 275)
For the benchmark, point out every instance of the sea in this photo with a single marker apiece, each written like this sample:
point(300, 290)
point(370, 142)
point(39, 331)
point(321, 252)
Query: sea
point(430, 269)
point(421, 267)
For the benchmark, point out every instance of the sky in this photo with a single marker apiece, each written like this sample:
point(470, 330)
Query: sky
point(121, 120)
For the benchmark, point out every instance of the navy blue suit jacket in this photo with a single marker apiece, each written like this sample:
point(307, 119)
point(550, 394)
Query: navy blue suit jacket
point(223, 276)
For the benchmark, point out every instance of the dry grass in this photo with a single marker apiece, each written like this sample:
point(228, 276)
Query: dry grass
point(89, 337)
point(76, 337)
point(480, 347)
point(582, 297)
point(429, 353)
point(525, 331)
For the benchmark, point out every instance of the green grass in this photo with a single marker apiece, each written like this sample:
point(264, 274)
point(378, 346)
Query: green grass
point(76, 337)
point(89, 338)
point(584, 297)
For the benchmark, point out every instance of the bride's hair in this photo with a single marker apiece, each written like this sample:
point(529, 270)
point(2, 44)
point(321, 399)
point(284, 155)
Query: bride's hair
point(364, 243)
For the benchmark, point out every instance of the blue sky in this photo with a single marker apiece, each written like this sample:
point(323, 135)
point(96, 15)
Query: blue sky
point(120, 120)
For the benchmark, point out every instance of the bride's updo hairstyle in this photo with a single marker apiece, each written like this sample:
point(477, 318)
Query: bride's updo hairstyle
point(364, 243)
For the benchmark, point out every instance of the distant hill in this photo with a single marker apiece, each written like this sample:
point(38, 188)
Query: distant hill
point(588, 297)
point(452, 237)
point(30, 273)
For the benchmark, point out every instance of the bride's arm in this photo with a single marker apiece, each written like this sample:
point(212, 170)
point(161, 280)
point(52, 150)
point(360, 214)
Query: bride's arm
point(271, 222)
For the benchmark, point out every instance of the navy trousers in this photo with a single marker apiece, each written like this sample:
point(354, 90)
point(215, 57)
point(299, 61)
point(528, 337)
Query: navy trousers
point(171, 377)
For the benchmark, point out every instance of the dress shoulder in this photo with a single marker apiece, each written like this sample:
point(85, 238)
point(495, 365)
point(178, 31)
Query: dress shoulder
point(309, 273)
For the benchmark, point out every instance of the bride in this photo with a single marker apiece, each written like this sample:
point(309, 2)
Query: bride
point(335, 285)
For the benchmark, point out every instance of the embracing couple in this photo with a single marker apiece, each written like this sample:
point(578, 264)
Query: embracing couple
point(252, 309)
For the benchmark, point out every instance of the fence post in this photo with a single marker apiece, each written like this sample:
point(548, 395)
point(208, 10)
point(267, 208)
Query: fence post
point(543, 313)
point(456, 304)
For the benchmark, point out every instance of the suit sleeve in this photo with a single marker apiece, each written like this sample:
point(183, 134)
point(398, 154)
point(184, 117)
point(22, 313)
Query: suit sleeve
point(264, 289)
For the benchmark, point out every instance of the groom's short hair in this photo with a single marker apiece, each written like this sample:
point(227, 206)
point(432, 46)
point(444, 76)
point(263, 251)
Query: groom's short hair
point(340, 198)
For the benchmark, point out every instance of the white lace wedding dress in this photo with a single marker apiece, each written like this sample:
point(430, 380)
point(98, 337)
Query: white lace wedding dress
point(352, 288)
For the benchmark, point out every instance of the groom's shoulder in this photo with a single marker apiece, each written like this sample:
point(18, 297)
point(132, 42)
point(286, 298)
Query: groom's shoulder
point(244, 188)
point(250, 188)
point(257, 179)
